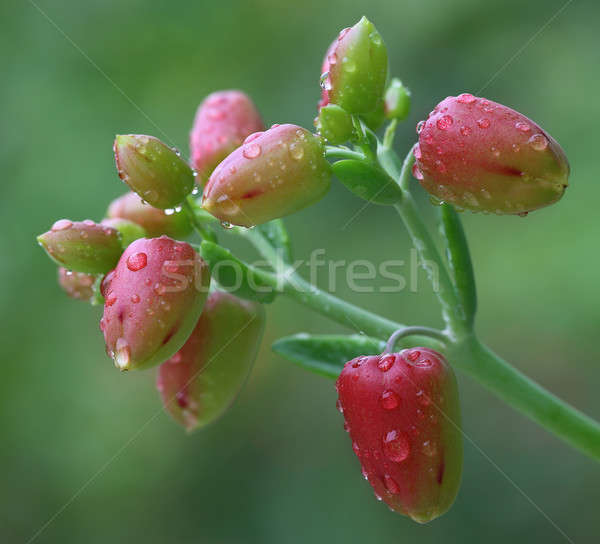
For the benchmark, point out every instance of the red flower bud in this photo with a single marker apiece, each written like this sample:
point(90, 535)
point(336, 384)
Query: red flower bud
point(275, 173)
point(222, 122)
point(202, 379)
point(153, 300)
point(403, 416)
point(77, 284)
point(483, 156)
point(83, 246)
point(154, 221)
point(355, 69)
point(153, 170)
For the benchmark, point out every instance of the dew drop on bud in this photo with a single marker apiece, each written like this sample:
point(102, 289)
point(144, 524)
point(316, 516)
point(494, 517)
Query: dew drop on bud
point(523, 127)
point(538, 142)
point(444, 122)
point(483, 123)
point(465, 131)
point(416, 172)
point(389, 400)
point(396, 446)
point(413, 355)
point(338, 405)
point(420, 126)
point(135, 298)
point(296, 151)
point(355, 448)
point(466, 98)
point(181, 398)
point(137, 261)
point(62, 224)
point(386, 363)
point(252, 151)
point(429, 448)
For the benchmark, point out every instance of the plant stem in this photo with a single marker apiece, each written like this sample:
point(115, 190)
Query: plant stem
point(189, 206)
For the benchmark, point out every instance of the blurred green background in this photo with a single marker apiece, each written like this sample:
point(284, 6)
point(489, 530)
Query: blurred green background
point(87, 450)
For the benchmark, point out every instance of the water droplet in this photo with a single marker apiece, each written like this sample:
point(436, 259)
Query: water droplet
point(391, 485)
point(355, 448)
point(338, 405)
point(122, 354)
point(416, 172)
point(389, 400)
point(539, 142)
point(523, 214)
point(364, 473)
point(159, 289)
point(111, 299)
point(137, 261)
point(466, 98)
point(444, 122)
point(226, 225)
point(62, 224)
point(251, 151)
point(375, 38)
point(440, 167)
point(465, 131)
point(296, 151)
point(523, 127)
point(396, 446)
point(423, 398)
point(135, 298)
point(420, 126)
point(413, 355)
point(332, 59)
point(483, 123)
point(252, 136)
point(429, 448)
point(324, 82)
point(181, 398)
point(349, 65)
point(386, 363)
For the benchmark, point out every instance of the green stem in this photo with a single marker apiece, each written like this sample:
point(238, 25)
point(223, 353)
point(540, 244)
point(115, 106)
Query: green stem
point(332, 152)
point(189, 206)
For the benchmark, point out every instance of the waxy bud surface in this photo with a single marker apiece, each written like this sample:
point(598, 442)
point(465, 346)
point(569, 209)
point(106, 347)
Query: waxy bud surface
point(355, 69)
point(153, 170)
point(403, 416)
point(204, 377)
point(77, 284)
point(223, 121)
point(82, 246)
point(483, 156)
point(153, 300)
point(154, 221)
point(273, 174)
point(128, 230)
point(397, 100)
point(334, 124)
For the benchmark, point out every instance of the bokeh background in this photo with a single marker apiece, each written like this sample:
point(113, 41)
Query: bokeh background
point(86, 454)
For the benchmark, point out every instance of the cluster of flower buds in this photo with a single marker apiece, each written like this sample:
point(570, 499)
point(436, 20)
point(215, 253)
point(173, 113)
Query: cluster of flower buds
point(203, 378)
point(403, 416)
point(482, 156)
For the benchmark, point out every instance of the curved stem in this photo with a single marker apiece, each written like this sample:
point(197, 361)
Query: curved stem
point(188, 205)
point(412, 331)
point(332, 152)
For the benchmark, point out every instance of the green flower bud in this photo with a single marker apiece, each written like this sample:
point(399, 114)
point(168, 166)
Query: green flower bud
point(274, 173)
point(375, 118)
point(82, 246)
point(201, 381)
point(397, 100)
point(334, 124)
point(154, 221)
point(358, 67)
point(153, 170)
point(128, 230)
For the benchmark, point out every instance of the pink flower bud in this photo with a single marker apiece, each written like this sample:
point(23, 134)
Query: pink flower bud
point(77, 284)
point(154, 221)
point(153, 170)
point(153, 300)
point(403, 416)
point(200, 382)
point(275, 173)
point(482, 156)
point(222, 122)
point(83, 246)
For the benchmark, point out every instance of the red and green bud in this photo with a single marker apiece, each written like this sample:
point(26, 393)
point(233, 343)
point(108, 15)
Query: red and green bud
point(154, 221)
point(128, 230)
point(482, 156)
point(356, 66)
point(82, 246)
point(403, 416)
point(201, 381)
point(77, 284)
point(152, 301)
point(274, 173)
point(334, 124)
point(153, 170)
point(397, 100)
point(222, 122)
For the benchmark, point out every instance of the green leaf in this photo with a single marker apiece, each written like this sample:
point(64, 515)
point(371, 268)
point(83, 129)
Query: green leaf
point(326, 354)
point(277, 236)
point(236, 276)
point(367, 181)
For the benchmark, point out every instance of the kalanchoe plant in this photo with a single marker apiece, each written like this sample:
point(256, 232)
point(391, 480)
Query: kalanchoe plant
point(401, 408)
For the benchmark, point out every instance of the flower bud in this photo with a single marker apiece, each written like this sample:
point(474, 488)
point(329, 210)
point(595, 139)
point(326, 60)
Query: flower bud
point(222, 122)
point(82, 246)
point(356, 69)
point(483, 156)
point(334, 124)
point(154, 221)
point(275, 173)
point(403, 416)
point(201, 381)
point(128, 230)
point(153, 300)
point(397, 100)
point(153, 170)
point(77, 284)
